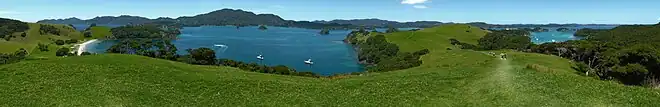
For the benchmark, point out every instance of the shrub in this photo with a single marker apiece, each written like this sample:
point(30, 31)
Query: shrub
point(85, 53)
point(43, 47)
point(62, 52)
point(88, 34)
point(23, 34)
point(71, 41)
point(59, 42)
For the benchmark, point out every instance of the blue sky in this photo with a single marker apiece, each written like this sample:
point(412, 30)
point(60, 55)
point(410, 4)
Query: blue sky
point(491, 11)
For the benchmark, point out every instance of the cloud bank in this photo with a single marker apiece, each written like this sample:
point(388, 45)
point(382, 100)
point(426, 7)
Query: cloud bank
point(420, 6)
point(413, 1)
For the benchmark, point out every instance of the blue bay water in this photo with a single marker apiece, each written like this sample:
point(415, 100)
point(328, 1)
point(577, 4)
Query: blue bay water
point(291, 46)
point(279, 46)
point(555, 36)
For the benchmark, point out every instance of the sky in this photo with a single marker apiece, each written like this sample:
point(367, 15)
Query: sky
point(490, 11)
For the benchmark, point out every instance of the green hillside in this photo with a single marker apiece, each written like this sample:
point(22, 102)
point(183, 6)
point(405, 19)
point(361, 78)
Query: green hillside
point(446, 78)
point(34, 37)
point(100, 32)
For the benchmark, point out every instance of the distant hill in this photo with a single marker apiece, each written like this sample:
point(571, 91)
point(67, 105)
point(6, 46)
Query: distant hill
point(218, 17)
point(385, 23)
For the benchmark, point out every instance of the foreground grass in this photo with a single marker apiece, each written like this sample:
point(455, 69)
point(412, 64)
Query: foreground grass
point(447, 78)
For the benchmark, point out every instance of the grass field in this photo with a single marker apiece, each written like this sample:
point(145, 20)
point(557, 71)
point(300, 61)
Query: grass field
point(447, 78)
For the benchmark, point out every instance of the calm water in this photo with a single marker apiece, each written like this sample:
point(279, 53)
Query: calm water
point(280, 46)
point(554, 36)
point(291, 46)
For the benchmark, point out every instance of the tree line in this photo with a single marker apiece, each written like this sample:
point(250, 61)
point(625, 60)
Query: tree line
point(6, 58)
point(164, 49)
point(144, 32)
point(9, 26)
point(628, 53)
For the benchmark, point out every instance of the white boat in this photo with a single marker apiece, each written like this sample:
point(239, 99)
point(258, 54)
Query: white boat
point(309, 61)
point(260, 57)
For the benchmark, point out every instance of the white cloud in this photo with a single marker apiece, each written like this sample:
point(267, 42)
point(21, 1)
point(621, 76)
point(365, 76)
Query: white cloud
point(413, 1)
point(420, 6)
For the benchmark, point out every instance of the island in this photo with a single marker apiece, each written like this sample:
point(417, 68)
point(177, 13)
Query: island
point(324, 32)
point(263, 27)
point(563, 29)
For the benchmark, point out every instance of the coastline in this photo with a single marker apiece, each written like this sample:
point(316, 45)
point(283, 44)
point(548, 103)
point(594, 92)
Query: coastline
point(83, 46)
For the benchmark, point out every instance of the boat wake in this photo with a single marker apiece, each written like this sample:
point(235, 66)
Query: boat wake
point(221, 48)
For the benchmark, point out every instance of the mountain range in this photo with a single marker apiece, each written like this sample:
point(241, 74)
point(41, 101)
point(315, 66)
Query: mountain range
point(245, 18)
point(242, 18)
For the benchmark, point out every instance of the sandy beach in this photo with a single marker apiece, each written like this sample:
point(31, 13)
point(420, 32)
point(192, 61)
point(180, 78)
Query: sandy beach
point(83, 46)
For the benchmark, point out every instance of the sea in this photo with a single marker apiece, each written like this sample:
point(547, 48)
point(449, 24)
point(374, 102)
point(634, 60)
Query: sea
point(292, 46)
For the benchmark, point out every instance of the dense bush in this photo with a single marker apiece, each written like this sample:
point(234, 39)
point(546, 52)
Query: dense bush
point(87, 34)
point(506, 39)
point(42, 47)
point(144, 32)
point(463, 45)
point(71, 41)
point(163, 49)
point(202, 56)
point(9, 26)
point(62, 52)
point(85, 53)
point(48, 29)
point(629, 54)
point(60, 42)
point(254, 67)
point(381, 55)
point(6, 58)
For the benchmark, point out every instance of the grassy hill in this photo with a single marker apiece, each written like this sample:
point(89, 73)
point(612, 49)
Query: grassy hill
point(447, 78)
point(33, 37)
point(100, 32)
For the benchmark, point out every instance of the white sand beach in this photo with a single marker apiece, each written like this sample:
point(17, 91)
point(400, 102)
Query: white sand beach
point(83, 46)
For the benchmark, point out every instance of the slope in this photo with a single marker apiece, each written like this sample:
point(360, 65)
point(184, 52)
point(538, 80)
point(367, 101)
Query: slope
point(447, 78)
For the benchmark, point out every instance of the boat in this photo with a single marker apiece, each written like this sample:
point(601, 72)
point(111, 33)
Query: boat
point(309, 61)
point(260, 57)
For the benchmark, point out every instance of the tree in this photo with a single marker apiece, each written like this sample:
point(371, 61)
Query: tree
point(21, 53)
point(62, 52)
point(42, 47)
point(391, 30)
point(506, 39)
point(202, 56)
point(85, 53)
point(48, 29)
point(71, 41)
point(88, 34)
point(60, 42)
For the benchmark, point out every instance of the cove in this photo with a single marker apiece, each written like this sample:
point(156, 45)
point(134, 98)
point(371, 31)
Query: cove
point(278, 45)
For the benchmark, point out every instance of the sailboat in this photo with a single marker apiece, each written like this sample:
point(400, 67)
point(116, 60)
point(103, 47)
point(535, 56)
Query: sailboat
point(260, 57)
point(309, 61)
